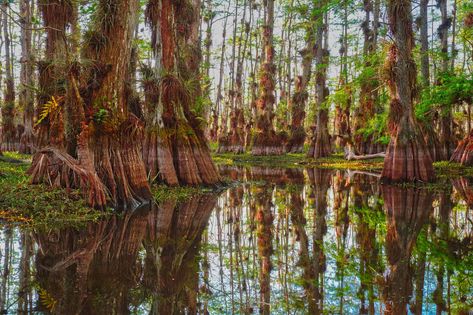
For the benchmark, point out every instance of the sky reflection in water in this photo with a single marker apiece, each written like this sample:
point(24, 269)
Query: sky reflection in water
point(285, 241)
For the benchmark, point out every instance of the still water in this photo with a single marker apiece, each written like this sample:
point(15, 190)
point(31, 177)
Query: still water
point(282, 241)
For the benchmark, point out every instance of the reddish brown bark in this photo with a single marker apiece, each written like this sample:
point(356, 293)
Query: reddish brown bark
point(175, 148)
point(78, 269)
point(368, 89)
point(342, 117)
point(464, 152)
point(407, 157)
point(320, 145)
point(234, 140)
point(297, 136)
point(264, 219)
point(265, 140)
point(57, 16)
point(108, 168)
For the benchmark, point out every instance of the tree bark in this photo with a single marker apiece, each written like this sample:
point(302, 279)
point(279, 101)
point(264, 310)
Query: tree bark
point(369, 84)
point(175, 148)
point(26, 79)
point(299, 98)
point(464, 151)
point(234, 140)
point(407, 157)
point(446, 137)
point(265, 140)
point(108, 168)
point(320, 146)
point(8, 108)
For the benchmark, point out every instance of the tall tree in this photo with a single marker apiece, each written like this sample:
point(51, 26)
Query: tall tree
point(266, 141)
point(320, 146)
point(407, 157)
point(299, 98)
point(446, 136)
point(234, 140)
point(108, 168)
point(26, 78)
point(175, 148)
point(8, 108)
point(428, 123)
point(343, 103)
point(369, 83)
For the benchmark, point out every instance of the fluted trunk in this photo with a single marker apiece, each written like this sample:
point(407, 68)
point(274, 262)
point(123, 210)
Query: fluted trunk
point(108, 167)
point(320, 145)
point(407, 157)
point(299, 98)
point(369, 84)
point(175, 149)
point(266, 141)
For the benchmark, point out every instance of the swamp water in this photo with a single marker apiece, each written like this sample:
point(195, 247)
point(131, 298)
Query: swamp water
point(284, 241)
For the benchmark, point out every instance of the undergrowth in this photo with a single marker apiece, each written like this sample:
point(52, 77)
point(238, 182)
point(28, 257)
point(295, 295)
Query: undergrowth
point(38, 205)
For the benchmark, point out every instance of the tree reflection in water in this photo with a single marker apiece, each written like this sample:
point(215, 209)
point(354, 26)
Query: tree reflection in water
point(284, 241)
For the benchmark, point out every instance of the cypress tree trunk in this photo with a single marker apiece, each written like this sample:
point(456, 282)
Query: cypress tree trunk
point(217, 108)
point(175, 148)
point(57, 17)
point(368, 88)
point(266, 141)
point(446, 137)
point(428, 124)
point(264, 219)
point(320, 146)
point(342, 108)
point(464, 151)
point(26, 79)
point(234, 140)
point(299, 98)
point(8, 108)
point(108, 168)
point(407, 157)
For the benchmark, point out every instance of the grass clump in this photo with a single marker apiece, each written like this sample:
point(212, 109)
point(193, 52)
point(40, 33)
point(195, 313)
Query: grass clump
point(246, 159)
point(163, 193)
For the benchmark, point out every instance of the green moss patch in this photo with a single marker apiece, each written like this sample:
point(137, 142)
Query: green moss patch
point(38, 206)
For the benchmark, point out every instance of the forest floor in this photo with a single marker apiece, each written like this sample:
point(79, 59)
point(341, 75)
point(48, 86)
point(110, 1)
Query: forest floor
point(41, 206)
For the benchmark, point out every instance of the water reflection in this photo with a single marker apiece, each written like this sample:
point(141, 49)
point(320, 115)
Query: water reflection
point(285, 241)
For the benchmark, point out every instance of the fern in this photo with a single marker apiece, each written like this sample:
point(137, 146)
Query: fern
point(46, 299)
point(47, 109)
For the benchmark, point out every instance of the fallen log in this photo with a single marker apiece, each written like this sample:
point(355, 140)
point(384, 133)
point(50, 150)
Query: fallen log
point(351, 155)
